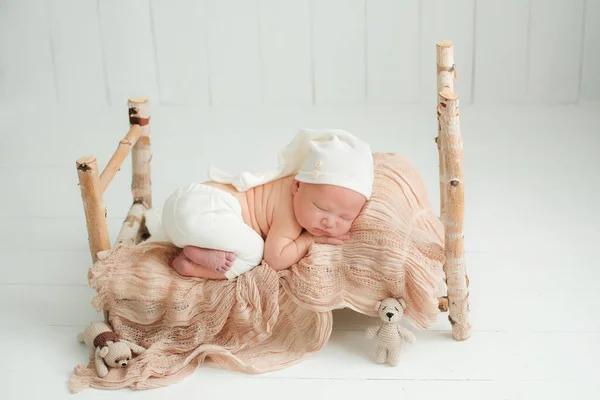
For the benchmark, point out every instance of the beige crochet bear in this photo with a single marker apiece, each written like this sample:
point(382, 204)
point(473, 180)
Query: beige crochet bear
point(109, 349)
point(389, 332)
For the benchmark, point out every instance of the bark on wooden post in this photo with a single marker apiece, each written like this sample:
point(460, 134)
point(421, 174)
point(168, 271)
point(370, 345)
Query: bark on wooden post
point(128, 236)
point(141, 155)
point(120, 155)
point(458, 294)
point(93, 205)
point(446, 72)
point(445, 83)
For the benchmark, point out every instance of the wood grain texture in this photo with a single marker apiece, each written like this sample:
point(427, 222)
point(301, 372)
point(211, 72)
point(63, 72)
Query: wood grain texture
point(234, 58)
point(93, 205)
point(392, 51)
point(555, 50)
point(501, 51)
point(453, 217)
point(339, 51)
point(26, 61)
point(126, 32)
point(286, 51)
point(590, 79)
point(181, 50)
point(453, 21)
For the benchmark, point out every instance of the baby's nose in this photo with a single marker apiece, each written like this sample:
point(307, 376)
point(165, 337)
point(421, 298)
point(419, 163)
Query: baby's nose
point(326, 222)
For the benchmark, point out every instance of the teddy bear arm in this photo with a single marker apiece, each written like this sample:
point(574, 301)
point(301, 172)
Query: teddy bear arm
point(101, 367)
point(406, 335)
point(134, 347)
point(372, 331)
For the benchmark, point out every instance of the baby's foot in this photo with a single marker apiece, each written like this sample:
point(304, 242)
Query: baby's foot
point(216, 260)
point(183, 266)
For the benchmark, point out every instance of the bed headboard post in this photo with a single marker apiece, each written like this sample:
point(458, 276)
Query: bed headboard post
point(450, 153)
point(453, 215)
point(446, 72)
point(141, 154)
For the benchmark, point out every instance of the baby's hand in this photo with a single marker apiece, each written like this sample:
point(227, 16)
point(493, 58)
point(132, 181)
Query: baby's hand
point(332, 239)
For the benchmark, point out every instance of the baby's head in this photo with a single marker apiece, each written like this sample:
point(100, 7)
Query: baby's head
point(333, 183)
point(326, 210)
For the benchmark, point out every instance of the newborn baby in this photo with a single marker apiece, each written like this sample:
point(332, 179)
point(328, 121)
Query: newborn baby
point(322, 184)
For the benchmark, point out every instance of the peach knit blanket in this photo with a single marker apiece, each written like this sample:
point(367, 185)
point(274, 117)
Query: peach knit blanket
point(266, 320)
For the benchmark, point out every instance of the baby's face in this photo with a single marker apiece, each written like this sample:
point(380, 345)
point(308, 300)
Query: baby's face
point(326, 210)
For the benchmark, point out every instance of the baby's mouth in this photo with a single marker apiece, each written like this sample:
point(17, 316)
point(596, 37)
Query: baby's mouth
point(321, 231)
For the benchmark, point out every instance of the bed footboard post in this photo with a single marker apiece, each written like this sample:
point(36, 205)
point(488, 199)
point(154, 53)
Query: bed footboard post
point(93, 205)
point(452, 218)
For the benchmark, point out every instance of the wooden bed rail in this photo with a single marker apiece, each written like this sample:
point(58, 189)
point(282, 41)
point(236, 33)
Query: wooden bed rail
point(93, 185)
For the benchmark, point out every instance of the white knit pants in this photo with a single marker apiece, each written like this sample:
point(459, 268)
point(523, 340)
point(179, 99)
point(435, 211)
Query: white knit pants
point(207, 217)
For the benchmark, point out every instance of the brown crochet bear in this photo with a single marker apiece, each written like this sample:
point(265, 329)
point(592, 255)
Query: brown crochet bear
point(389, 332)
point(109, 349)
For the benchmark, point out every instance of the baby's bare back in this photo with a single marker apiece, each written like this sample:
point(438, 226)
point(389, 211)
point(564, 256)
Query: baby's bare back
point(259, 204)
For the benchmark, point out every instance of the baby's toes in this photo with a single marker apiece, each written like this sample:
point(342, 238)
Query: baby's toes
point(231, 257)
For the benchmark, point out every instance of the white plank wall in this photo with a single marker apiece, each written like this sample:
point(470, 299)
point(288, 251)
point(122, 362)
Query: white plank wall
point(285, 32)
point(295, 52)
point(77, 52)
point(555, 50)
point(126, 31)
point(339, 51)
point(180, 33)
point(501, 50)
point(233, 42)
point(392, 51)
point(590, 80)
point(26, 66)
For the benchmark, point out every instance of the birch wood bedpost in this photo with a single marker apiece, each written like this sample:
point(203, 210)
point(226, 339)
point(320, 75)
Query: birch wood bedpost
point(446, 72)
point(93, 205)
point(141, 155)
point(452, 218)
point(134, 226)
point(445, 83)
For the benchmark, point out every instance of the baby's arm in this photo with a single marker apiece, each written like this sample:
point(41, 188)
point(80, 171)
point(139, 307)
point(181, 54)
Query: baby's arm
point(285, 244)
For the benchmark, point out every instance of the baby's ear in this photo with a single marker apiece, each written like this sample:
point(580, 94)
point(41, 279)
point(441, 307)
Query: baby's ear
point(377, 306)
point(295, 187)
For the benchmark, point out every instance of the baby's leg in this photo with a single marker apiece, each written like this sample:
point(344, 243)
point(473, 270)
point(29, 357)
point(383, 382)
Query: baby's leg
point(216, 260)
point(186, 267)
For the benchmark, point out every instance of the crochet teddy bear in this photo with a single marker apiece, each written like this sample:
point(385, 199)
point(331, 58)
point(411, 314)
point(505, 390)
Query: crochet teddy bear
point(389, 332)
point(109, 349)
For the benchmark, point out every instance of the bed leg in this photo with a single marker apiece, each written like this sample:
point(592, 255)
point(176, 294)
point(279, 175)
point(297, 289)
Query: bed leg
point(93, 206)
point(456, 276)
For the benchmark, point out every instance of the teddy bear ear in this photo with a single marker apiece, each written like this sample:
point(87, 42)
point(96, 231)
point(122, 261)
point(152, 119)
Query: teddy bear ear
point(104, 351)
point(402, 302)
point(377, 306)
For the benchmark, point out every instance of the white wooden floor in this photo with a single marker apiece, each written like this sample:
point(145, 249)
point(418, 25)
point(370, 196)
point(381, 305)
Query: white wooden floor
point(532, 233)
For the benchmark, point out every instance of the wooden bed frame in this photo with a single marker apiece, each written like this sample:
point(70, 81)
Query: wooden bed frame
point(449, 143)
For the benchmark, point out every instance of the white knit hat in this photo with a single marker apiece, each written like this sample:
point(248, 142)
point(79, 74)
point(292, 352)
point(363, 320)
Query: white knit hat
point(325, 156)
point(338, 158)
